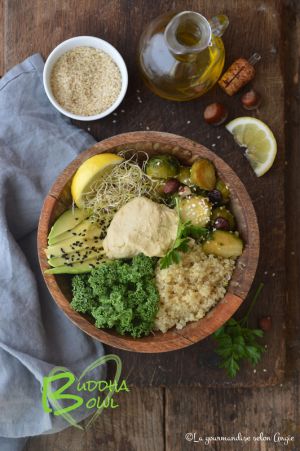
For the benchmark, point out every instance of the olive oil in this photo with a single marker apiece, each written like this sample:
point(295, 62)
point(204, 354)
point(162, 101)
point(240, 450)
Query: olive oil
point(179, 57)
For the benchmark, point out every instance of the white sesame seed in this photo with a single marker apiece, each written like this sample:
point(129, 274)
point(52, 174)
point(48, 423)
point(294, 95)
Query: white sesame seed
point(293, 253)
point(213, 145)
point(114, 121)
point(95, 71)
point(188, 122)
point(122, 111)
point(266, 273)
point(147, 128)
point(138, 90)
point(89, 129)
point(254, 371)
point(273, 275)
point(286, 163)
point(219, 137)
point(264, 370)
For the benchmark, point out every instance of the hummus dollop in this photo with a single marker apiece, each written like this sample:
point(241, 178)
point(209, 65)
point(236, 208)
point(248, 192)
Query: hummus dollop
point(141, 226)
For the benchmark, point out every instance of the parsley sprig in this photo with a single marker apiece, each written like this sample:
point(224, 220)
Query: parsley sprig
point(236, 341)
point(185, 231)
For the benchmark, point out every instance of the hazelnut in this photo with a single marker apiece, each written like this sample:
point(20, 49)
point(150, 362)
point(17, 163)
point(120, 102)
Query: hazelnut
point(215, 114)
point(171, 186)
point(251, 100)
point(265, 323)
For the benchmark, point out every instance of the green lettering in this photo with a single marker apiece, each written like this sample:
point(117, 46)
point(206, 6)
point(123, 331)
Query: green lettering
point(59, 393)
point(123, 387)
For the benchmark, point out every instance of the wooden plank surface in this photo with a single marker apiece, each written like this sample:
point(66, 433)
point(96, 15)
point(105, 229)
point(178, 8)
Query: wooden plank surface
point(228, 411)
point(252, 29)
point(137, 424)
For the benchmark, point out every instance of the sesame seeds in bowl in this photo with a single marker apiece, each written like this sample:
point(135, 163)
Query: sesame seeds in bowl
point(85, 78)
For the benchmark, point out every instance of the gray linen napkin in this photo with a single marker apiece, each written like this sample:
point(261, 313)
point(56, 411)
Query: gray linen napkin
point(36, 143)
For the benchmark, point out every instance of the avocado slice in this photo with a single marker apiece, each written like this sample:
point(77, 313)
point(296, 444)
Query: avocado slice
point(91, 240)
point(67, 221)
point(76, 268)
point(79, 231)
point(77, 257)
point(223, 244)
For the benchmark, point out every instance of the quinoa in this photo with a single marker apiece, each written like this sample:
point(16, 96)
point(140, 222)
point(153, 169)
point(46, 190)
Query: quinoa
point(189, 289)
point(85, 81)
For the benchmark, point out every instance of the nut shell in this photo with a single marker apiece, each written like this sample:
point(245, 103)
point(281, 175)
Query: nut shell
point(265, 323)
point(215, 113)
point(251, 100)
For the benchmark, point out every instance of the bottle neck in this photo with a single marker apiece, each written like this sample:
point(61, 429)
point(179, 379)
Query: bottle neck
point(188, 33)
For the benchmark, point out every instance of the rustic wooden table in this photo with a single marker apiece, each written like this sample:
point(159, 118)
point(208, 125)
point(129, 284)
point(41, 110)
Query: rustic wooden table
point(185, 391)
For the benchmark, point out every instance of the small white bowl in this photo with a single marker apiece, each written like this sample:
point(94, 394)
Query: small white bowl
point(88, 41)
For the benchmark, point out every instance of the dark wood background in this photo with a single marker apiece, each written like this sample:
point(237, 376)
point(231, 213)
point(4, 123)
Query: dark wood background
point(167, 402)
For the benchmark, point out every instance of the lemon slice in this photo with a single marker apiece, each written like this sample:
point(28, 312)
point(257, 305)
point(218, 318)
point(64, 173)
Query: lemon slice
point(255, 135)
point(89, 172)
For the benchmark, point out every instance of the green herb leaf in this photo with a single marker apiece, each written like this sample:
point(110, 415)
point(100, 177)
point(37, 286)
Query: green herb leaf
point(185, 230)
point(196, 232)
point(237, 342)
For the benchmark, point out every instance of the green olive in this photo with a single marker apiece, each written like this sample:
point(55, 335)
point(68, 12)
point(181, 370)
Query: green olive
point(203, 174)
point(162, 167)
point(222, 212)
point(224, 190)
point(184, 176)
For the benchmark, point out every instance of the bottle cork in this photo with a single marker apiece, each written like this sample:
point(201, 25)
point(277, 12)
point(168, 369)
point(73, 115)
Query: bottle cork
point(240, 73)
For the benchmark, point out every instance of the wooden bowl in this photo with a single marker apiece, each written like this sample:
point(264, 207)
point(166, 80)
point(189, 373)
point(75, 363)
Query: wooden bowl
point(59, 199)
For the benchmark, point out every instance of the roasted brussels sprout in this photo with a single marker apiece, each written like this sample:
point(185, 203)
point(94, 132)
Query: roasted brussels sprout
point(224, 190)
point(203, 174)
point(196, 209)
point(184, 175)
point(162, 167)
point(223, 212)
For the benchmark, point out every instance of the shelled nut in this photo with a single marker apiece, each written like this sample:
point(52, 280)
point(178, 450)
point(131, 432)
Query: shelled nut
point(215, 114)
point(251, 100)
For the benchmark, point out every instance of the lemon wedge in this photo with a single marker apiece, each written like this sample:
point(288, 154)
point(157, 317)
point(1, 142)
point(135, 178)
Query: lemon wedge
point(89, 172)
point(260, 143)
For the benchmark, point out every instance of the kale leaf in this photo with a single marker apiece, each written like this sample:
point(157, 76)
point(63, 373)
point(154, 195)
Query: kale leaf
point(119, 294)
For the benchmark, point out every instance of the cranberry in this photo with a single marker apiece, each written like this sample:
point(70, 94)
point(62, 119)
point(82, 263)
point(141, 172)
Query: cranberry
point(221, 224)
point(171, 186)
point(215, 196)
